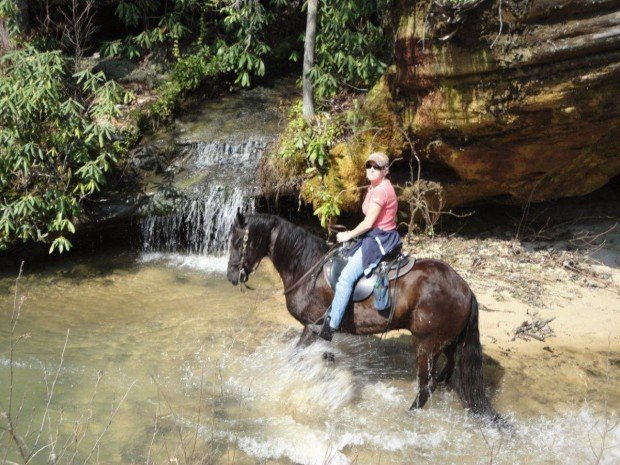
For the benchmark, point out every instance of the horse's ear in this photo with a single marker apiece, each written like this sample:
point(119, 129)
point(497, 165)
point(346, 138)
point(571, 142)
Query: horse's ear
point(239, 219)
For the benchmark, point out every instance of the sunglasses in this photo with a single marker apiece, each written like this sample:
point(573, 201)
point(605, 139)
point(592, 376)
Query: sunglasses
point(372, 164)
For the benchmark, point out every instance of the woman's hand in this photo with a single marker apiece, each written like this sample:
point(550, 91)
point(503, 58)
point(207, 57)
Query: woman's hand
point(343, 236)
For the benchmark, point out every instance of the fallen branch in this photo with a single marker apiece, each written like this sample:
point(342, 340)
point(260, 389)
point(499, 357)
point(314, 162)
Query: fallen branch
point(536, 329)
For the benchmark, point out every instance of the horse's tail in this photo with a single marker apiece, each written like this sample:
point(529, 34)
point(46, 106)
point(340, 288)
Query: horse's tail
point(471, 387)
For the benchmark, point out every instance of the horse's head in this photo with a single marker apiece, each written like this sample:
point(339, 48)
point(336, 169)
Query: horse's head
point(247, 248)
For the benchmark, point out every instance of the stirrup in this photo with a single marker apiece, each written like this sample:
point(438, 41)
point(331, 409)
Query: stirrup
point(324, 331)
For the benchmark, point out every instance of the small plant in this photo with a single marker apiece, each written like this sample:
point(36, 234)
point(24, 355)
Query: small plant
point(329, 208)
point(425, 202)
point(313, 140)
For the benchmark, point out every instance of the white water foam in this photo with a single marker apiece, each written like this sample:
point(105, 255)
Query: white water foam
point(243, 152)
point(300, 407)
point(200, 225)
point(204, 263)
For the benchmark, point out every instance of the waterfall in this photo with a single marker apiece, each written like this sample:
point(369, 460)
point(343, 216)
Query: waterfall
point(218, 178)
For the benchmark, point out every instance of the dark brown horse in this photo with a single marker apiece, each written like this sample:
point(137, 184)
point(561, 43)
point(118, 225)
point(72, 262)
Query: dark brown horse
point(434, 303)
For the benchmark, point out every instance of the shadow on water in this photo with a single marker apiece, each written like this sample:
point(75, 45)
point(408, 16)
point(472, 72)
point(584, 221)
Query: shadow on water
point(75, 268)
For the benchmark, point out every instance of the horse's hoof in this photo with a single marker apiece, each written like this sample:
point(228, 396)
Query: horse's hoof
point(329, 357)
point(416, 405)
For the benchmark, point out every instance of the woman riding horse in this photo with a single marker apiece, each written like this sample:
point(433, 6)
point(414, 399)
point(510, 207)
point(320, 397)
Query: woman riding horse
point(378, 229)
point(435, 304)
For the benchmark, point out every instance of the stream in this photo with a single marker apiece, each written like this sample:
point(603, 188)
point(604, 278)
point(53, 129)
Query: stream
point(149, 355)
point(175, 356)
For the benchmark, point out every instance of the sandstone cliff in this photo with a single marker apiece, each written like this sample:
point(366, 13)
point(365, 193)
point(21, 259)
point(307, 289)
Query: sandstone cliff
point(513, 107)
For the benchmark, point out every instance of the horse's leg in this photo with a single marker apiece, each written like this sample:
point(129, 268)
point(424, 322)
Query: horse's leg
point(448, 369)
point(307, 337)
point(426, 360)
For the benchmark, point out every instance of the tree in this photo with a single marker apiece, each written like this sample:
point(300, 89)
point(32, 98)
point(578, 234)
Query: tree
point(4, 38)
point(79, 27)
point(54, 149)
point(309, 44)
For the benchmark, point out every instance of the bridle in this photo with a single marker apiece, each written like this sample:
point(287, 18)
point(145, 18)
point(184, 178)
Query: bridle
point(243, 276)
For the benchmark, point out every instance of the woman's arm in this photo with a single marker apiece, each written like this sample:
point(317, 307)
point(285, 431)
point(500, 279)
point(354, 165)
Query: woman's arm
point(366, 225)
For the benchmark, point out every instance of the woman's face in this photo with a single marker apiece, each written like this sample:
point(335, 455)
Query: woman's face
point(374, 173)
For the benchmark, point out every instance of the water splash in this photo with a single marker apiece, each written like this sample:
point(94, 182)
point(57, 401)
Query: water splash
point(296, 406)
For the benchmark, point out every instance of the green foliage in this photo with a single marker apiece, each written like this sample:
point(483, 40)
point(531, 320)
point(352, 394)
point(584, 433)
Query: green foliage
point(350, 46)
point(190, 71)
point(158, 28)
point(187, 74)
point(55, 147)
point(313, 146)
point(313, 140)
point(9, 12)
point(239, 31)
point(248, 22)
point(329, 208)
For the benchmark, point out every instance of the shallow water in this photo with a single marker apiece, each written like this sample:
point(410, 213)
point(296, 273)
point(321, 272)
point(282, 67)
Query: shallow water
point(209, 369)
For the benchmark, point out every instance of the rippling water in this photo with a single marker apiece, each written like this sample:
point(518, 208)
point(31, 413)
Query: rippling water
point(202, 363)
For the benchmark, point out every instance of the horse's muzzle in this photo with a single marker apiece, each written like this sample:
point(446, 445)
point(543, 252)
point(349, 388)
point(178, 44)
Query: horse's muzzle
point(233, 277)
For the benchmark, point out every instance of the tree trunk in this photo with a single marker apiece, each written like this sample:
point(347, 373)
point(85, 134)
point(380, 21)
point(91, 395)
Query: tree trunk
point(308, 97)
point(4, 38)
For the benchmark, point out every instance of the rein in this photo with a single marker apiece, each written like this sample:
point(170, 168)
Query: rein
point(243, 276)
point(318, 265)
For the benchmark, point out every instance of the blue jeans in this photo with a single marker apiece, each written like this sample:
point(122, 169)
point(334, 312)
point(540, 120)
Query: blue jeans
point(353, 270)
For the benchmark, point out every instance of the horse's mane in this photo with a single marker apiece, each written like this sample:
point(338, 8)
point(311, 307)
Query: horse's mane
point(294, 245)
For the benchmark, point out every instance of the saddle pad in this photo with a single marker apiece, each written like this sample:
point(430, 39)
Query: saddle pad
point(364, 286)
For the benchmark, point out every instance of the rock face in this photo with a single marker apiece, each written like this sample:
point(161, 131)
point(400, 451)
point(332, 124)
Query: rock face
point(518, 108)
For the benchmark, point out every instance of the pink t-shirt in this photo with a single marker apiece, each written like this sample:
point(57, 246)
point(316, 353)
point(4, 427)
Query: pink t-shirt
point(384, 196)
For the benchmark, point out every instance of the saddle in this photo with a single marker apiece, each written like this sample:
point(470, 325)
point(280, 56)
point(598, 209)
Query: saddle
point(395, 264)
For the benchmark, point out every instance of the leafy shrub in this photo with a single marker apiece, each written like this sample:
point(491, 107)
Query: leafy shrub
point(311, 140)
point(239, 31)
point(158, 28)
point(9, 12)
point(188, 73)
point(350, 46)
point(328, 209)
point(56, 144)
point(312, 146)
